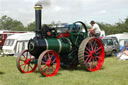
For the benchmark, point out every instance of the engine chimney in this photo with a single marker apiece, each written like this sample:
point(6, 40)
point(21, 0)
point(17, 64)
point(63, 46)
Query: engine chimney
point(38, 9)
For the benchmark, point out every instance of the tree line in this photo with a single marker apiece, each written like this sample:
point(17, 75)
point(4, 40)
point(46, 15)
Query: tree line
point(119, 27)
point(7, 23)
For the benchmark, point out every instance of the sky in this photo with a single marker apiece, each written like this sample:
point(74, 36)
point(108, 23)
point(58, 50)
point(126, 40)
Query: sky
point(67, 11)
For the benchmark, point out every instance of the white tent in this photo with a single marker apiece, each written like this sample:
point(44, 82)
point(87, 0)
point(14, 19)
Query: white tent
point(102, 33)
point(16, 43)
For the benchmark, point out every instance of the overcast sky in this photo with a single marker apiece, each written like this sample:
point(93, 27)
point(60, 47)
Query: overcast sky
point(108, 11)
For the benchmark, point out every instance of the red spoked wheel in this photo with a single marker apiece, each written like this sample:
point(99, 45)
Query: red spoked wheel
point(49, 63)
point(24, 62)
point(91, 54)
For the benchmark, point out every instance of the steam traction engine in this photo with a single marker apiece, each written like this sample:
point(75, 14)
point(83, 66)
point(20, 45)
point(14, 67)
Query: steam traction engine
point(50, 49)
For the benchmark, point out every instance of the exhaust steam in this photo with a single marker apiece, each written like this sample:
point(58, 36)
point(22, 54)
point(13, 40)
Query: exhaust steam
point(43, 2)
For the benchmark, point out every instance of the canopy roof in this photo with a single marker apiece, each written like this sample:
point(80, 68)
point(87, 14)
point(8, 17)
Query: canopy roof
point(23, 36)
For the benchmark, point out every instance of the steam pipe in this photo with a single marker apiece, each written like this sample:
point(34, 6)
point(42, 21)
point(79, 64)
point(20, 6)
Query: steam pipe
point(38, 9)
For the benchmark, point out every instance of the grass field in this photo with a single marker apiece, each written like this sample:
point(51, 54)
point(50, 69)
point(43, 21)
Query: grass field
point(113, 72)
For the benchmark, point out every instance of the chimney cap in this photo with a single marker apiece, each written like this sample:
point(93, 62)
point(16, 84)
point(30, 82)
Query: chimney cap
point(38, 7)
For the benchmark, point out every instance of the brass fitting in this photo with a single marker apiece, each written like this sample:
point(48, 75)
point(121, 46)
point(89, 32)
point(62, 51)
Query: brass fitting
point(38, 7)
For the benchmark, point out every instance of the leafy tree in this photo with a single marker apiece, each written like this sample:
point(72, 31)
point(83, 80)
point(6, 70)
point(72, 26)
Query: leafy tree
point(31, 26)
point(7, 23)
point(126, 21)
point(119, 27)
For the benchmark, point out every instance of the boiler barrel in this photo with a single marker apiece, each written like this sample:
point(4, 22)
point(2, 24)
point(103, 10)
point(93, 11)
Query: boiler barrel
point(37, 45)
point(58, 45)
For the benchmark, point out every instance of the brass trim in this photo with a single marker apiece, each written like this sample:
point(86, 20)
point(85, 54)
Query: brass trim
point(38, 7)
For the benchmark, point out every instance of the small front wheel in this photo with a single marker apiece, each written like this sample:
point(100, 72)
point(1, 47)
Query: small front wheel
point(24, 64)
point(49, 63)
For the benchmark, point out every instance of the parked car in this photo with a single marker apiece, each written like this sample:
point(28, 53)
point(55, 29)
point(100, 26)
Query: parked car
point(111, 45)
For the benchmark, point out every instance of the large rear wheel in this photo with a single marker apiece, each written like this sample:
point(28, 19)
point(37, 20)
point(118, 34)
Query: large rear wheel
point(49, 63)
point(91, 54)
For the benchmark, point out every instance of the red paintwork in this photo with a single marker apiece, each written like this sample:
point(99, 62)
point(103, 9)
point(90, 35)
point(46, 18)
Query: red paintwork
point(100, 37)
point(63, 35)
point(50, 63)
point(3, 38)
point(23, 62)
point(13, 32)
point(94, 54)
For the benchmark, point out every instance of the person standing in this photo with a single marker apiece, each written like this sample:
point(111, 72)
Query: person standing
point(96, 29)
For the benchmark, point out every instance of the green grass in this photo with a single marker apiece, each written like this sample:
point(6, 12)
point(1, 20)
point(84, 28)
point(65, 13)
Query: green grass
point(113, 72)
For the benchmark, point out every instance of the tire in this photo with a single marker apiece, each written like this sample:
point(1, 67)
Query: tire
point(91, 54)
point(49, 63)
point(23, 62)
point(113, 53)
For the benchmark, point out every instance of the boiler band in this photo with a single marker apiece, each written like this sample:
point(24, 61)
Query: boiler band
point(58, 45)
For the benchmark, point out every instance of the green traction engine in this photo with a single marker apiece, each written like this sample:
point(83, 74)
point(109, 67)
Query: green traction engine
point(65, 47)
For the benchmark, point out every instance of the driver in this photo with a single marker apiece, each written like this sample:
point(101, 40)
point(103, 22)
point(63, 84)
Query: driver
point(95, 29)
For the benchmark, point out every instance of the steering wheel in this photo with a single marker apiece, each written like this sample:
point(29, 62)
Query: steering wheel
point(76, 34)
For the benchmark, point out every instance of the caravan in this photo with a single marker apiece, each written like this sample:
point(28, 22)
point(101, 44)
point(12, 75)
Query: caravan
point(16, 43)
point(5, 33)
point(122, 38)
